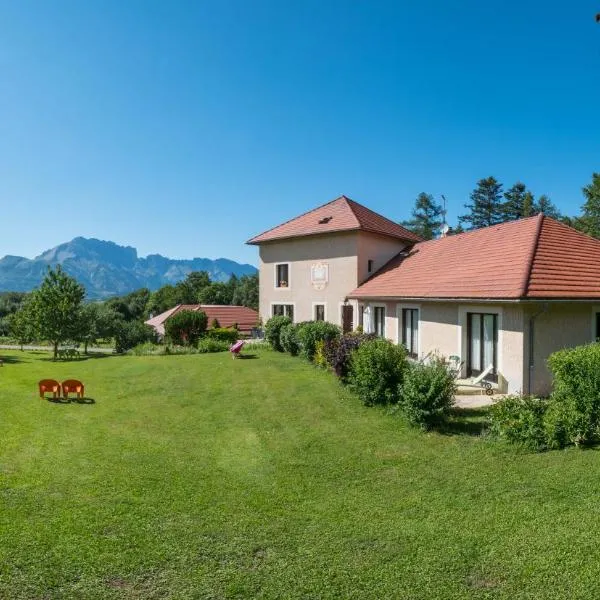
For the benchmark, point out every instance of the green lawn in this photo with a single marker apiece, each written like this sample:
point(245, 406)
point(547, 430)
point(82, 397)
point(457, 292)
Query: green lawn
point(202, 477)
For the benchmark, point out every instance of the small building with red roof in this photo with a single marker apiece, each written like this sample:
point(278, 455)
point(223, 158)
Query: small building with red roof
point(245, 318)
point(500, 299)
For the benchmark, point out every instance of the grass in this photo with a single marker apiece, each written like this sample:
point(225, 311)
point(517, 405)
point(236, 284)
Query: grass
point(202, 477)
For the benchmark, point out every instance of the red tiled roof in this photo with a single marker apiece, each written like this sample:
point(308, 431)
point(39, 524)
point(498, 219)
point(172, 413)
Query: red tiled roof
point(227, 315)
point(536, 257)
point(341, 214)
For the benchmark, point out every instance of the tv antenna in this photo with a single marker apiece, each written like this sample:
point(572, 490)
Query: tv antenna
point(444, 228)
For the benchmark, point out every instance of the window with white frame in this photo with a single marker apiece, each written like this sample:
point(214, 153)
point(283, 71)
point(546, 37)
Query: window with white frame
point(282, 310)
point(379, 320)
point(282, 275)
point(319, 312)
point(410, 330)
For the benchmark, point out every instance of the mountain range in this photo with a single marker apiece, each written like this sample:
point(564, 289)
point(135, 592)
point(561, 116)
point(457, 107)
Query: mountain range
point(107, 269)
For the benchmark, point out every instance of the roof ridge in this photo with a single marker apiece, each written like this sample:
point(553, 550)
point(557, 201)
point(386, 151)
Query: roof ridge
point(531, 256)
point(352, 203)
point(298, 217)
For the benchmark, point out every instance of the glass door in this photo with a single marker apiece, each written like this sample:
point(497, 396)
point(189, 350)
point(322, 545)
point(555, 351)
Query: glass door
point(482, 350)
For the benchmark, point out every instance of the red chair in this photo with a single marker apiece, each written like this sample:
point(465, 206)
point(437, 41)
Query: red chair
point(49, 385)
point(72, 386)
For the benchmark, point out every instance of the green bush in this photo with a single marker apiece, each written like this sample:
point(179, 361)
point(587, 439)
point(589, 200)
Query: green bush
point(288, 338)
point(320, 359)
point(207, 345)
point(311, 332)
point(574, 414)
point(338, 351)
point(273, 331)
point(376, 371)
point(427, 392)
point(520, 420)
point(186, 327)
point(129, 334)
point(224, 334)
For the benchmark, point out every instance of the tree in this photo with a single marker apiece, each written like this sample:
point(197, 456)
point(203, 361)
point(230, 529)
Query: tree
point(216, 293)
point(246, 292)
point(528, 205)
point(485, 208)
point(129, 334)
point(589, 222)
point(162, 299)
point(186, 327)
point(427, 217)
point(55, 308)
point(22, 324)
point(546, 206)
point(516, 196)
point(98, 321)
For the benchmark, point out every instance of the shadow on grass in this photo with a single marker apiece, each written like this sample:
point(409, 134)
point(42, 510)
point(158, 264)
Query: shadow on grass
point(465, 421)
point(10, 360)
point(70, 400)
point(248, 356)
point(82, 358)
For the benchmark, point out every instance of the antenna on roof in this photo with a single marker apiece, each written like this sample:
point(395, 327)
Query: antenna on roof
point(444, 228)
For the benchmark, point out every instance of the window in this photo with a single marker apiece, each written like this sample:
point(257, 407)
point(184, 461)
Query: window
point(369, 265)
point(282, 275)
point(482, 348)
point(379, 320)
point(283, 310)
point(319, 312)
point(410, 330)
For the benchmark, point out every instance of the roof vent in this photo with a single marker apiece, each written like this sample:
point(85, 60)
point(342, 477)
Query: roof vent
point(325, 220)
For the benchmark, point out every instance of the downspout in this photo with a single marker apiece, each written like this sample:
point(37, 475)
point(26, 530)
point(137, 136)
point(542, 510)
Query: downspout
point(531, 341)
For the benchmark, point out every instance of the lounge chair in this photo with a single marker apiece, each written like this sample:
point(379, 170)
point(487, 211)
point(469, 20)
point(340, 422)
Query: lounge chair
point(49, 385)
point(236, 348)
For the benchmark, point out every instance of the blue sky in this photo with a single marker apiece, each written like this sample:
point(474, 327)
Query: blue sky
point(184, 128)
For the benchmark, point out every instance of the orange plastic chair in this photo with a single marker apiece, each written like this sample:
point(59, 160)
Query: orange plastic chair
point(49, 385)
point(72, 386)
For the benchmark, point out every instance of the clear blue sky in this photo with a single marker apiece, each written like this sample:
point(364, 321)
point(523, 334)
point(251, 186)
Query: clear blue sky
point(185, 128)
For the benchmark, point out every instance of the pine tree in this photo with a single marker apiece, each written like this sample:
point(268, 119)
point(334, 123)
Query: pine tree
point(590, 219)
point(514, 206)
point(528, 205)
point(546, 206)
point(486, 205)
point(427, 217)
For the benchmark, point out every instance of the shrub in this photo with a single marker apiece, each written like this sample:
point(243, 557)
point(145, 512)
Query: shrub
point(224, 334)
point(214, 324)
point(288, 337)
point(376, 370)
point(129, 334)
point(206, 345)
point(520, 420)
point(273, 331)
point(339, 350)
point(574, 414)
point(311, 332)
point(427, 392)
point(147, 349)
point(185, 327)
point(319, 358)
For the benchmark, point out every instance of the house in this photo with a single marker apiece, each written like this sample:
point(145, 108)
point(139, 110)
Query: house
point(502, 298)
point(245, 318)
point(309, 264)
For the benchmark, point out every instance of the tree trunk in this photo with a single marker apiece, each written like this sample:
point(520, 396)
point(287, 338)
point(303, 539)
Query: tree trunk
point(85, 346)
point(55, 350)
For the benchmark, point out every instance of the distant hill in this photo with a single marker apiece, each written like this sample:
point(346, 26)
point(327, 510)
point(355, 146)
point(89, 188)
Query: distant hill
point(107, 269)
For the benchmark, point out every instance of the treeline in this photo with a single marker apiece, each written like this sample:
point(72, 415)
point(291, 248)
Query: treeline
point(56, 311)
point(491, 204)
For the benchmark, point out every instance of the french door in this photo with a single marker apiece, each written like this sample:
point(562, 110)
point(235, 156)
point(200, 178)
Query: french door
point(482, 345)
